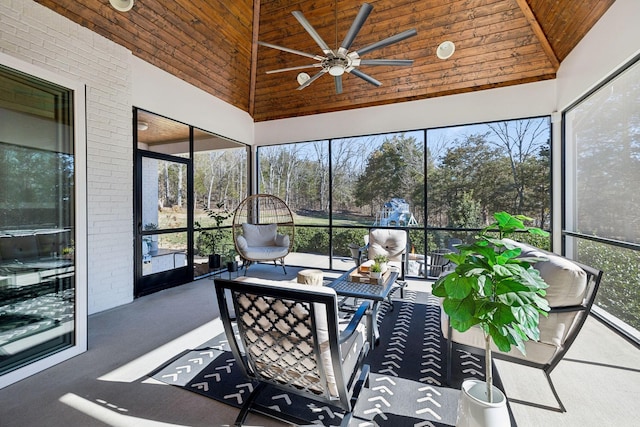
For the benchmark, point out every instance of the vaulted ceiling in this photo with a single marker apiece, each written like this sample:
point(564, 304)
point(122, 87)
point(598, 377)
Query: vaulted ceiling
point(212, 44)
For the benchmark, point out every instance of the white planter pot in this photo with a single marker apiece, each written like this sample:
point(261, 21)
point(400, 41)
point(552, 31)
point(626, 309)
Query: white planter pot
point(475, 411)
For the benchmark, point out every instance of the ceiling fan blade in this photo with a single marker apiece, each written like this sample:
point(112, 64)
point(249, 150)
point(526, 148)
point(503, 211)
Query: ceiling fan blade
point(297, 52)
point(357, 24)
point(312, 32)
point(338, 81)
point(398, 62)
point(386, 42)
point(312, 79)
point(367, 78)
point(299, 67)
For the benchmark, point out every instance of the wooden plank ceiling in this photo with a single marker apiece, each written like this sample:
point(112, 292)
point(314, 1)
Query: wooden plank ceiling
point(212, 45)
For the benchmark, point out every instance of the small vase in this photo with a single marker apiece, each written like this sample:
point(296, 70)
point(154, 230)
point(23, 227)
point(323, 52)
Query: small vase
point(475, 411)
point(375, 274)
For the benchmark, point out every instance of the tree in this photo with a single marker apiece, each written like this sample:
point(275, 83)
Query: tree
point(393, 170)
point(520, 141)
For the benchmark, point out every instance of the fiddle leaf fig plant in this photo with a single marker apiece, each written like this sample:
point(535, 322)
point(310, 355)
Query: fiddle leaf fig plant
point(495, 288)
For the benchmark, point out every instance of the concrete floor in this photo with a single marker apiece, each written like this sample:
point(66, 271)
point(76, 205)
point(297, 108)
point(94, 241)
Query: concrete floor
point(599, 380)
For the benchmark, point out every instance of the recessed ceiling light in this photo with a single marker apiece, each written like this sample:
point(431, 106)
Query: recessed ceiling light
point(303, 78)
point(122, 5)
point(143, 125)
point(445, 50)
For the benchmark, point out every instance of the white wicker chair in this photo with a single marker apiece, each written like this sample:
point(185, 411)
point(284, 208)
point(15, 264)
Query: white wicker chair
point(263, 229)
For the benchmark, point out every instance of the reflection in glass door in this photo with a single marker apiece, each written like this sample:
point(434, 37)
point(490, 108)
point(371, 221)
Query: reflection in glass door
point(42, 250)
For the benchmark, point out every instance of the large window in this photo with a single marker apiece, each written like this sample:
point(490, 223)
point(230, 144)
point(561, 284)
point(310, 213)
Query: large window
point(602, 162)
point(441, 185)
point(476, 170)
point(41, 310)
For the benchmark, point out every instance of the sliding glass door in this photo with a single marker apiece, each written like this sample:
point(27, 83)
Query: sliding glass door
point(42, 252)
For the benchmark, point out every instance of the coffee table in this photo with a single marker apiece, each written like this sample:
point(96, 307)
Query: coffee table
point(374, 293)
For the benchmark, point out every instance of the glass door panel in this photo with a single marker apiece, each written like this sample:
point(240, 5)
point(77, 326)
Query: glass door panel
point(38, 311)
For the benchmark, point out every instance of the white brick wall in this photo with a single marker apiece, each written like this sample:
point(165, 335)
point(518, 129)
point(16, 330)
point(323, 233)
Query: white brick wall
point(36, 34)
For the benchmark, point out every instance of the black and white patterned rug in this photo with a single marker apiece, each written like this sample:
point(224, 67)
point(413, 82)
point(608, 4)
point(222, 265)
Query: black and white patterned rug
point(406, 385)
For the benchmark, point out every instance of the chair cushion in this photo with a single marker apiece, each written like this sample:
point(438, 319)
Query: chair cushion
point(285, 353)
point(260, 234)
point(265, 253)
point(391, 243)
point(282, 240)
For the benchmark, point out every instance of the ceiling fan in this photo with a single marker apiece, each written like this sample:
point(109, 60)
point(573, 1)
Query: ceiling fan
point(340, 61)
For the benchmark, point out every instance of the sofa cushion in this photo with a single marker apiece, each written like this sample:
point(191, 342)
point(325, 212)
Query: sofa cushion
point(567, 281)
point(260, 234)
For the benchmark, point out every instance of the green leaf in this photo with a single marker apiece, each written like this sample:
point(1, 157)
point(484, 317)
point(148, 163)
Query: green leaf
point(459, 287)
point(516, 299)
point(463, 326)
point(503, 315)
point(500, 340)
point(510, 285)
point(460, 312)
point(439, 289)
point(538, 231)
point(456, 258)
point(484, 309)
point(501, 270)
point(509, 254)
point(488, 253)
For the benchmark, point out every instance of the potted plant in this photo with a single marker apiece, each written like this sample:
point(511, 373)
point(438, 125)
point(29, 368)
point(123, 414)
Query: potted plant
point(232, 262)
point(382, 260)
point(208, 239)
point(494, 288)
point(376, 271)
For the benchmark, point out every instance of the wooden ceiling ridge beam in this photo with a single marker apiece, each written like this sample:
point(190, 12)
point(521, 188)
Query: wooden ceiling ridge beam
point(537, 30)
point(254, 57)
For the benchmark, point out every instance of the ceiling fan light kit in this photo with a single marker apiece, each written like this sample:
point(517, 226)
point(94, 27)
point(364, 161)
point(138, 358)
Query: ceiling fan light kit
point(340, 61)
point(122, 5)
point(446, 49)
